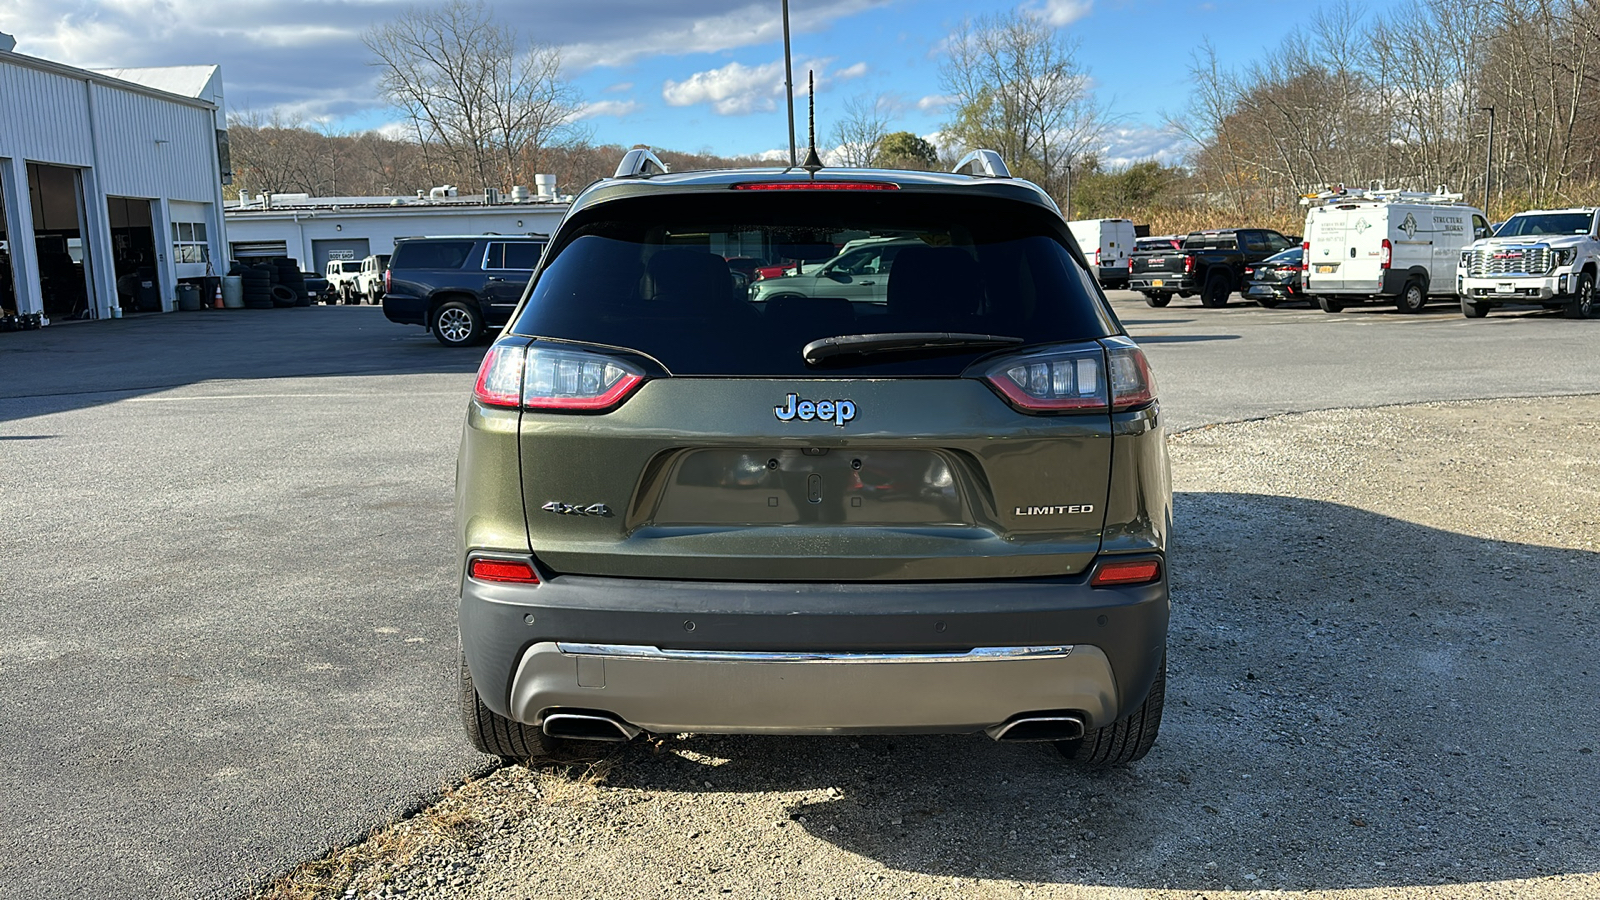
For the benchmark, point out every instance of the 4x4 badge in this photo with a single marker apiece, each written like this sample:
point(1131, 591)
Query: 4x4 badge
point(572, 509)
point(836, 411)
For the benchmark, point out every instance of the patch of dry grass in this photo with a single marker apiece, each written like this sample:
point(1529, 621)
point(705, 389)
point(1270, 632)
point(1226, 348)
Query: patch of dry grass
point(454, 821)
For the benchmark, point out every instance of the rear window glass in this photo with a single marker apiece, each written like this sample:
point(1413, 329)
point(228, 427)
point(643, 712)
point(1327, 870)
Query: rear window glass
point(653, 276)
point(431, 254)
point(1211, 242)
point(513, 255)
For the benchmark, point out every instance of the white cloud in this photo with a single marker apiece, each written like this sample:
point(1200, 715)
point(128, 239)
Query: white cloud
point(849, 72)
point(737, 89)
point(733, 90)
point(689, 32)
point(1058, 13)
point(1138, 143)
point(934, 103)
point(619, 88)
point(617, 108)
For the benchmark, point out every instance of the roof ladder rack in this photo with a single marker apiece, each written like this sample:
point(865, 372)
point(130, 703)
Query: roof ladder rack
point(640, 163)
point(982, 164)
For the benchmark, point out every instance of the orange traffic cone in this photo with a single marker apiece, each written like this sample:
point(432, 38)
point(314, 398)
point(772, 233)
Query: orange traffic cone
point(216, 302)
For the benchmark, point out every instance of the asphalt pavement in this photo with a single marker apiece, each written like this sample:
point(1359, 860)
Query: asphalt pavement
point(229, 583)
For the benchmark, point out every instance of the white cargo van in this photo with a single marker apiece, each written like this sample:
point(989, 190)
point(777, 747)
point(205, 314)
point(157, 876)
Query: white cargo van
point(1400, 246)
point(1107, 243)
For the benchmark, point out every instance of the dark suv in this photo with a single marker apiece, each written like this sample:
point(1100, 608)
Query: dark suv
point(685, 508)
point(459, 287)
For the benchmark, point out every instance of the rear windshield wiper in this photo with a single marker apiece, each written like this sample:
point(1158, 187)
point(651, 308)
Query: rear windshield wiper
point(899, 342)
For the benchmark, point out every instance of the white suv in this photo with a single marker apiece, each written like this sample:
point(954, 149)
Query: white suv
point(1548, 257)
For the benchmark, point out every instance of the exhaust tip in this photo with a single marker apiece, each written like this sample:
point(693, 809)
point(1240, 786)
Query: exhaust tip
point(1033, 728)
point(589, 727)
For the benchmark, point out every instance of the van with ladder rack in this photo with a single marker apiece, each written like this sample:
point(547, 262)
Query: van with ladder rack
point(1385, 245)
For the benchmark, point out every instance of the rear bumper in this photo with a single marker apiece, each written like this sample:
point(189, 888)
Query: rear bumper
point(672, 656)
point(405, 310)
point(1146, 281)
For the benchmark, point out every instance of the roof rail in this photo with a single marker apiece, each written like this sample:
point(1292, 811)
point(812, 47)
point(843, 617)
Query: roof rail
point(640, 163)
point(982, 164)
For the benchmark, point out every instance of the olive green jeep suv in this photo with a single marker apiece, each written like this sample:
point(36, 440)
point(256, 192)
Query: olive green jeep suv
point(689, 506)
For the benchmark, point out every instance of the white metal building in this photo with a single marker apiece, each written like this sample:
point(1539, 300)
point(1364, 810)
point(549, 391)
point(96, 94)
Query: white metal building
point(107, 179)
point(315, 230)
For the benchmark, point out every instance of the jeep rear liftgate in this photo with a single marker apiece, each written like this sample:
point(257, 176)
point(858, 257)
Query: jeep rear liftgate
point(739, 492)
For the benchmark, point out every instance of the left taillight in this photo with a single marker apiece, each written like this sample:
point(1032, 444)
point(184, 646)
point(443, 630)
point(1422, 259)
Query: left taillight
point(1076, 380)
point(503, 571)
point(546, 378)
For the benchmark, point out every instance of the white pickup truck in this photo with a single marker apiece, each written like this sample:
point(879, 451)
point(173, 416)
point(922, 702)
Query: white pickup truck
point(1547, 257)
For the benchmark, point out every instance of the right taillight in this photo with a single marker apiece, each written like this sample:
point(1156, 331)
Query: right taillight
point(1188, 265)
point(1084, 379)
point(386, 281)
point(539, 377)
point(1113, 573)
point(1305, 254)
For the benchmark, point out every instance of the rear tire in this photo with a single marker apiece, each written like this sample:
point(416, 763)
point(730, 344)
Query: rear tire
point(1328, 304)
point(1412, 298)
point(1125, 740)
point(1581, 306)
point(1473, 310)
point(1157, 300)
point(1215, 294)
point(495, 734)
point(457, 324)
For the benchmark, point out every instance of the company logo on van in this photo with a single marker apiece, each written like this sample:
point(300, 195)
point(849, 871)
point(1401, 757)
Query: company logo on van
point(1409, 226)
point(1362, 225)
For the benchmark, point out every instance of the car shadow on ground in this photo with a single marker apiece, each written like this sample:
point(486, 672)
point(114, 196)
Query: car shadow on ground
point(1354, 701)
point(1183, 338)
point(70, 367)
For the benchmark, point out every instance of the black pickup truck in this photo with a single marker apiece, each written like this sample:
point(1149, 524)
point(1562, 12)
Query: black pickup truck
point(1210, 263)
point(459, 287)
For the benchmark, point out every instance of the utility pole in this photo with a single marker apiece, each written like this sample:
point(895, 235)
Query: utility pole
point(1488, 160)
point(788, 83)
point(1069, 192)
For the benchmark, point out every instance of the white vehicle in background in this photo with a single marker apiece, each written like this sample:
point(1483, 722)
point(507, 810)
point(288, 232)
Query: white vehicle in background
point(1548, 257)
point(341, 275)
point(1391, 245)
point(1106, 243)
point(369, 281)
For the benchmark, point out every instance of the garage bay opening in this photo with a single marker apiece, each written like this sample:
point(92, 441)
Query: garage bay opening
point(133, 254)
point(57, 196)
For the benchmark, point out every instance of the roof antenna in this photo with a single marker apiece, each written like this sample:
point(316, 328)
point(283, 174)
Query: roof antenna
point(813, 162)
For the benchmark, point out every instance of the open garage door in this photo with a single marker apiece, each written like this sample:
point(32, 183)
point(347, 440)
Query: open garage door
point(254, 250)
point(133, 253)
point(8, 284)
point(347, 249)
point(64, 285)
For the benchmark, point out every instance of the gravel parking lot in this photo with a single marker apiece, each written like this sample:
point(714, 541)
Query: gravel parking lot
point(1383, 658)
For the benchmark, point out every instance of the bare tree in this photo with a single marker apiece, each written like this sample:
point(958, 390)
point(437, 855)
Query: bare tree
point(858, 134)
point(1018, 89)
point(482, 102)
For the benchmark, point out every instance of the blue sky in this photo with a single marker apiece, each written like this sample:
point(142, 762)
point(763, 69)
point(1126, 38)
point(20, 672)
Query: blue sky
point(685, 75)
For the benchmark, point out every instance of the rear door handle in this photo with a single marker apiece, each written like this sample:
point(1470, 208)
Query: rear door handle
point(493, 278)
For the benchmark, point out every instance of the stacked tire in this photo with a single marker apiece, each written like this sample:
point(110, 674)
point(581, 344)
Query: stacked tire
point(257, 287)
point(290, 276)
